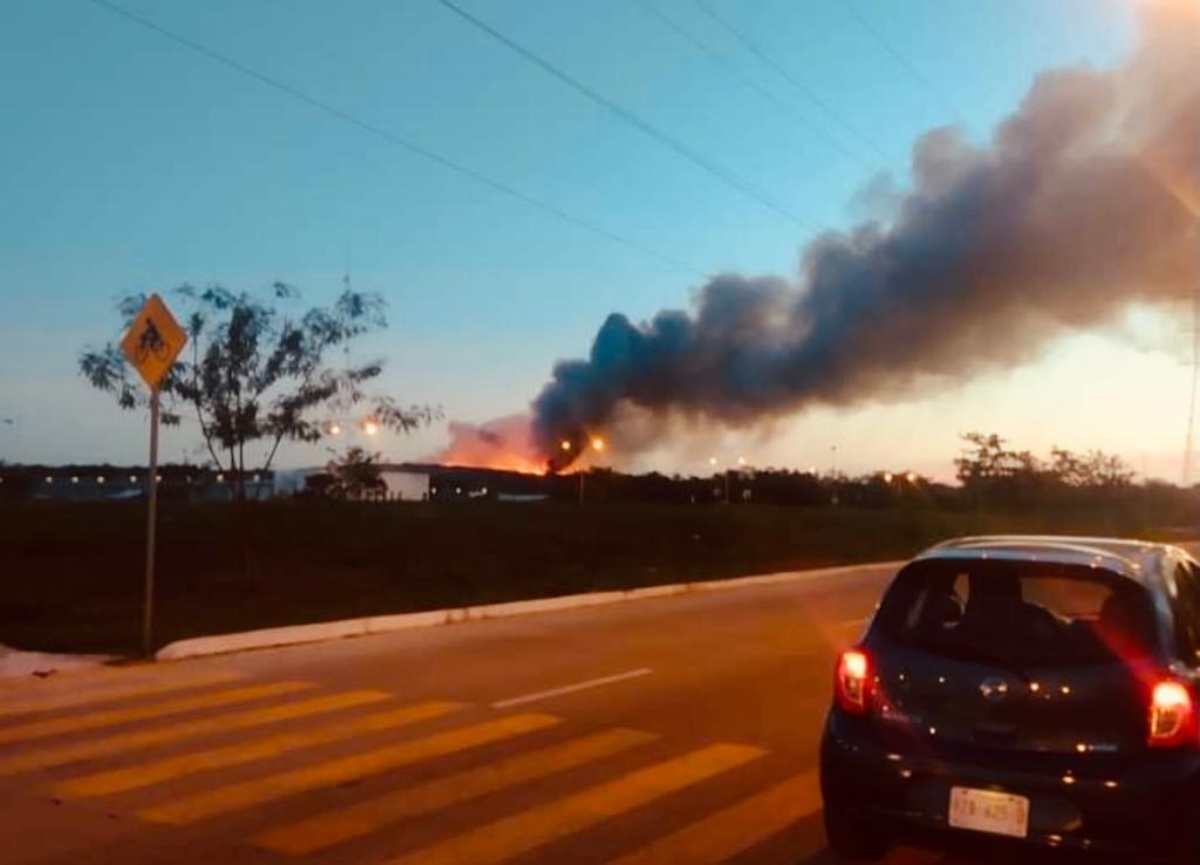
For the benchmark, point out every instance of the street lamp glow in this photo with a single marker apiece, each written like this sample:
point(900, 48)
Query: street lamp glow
point(598, 444)
point(565, 445)
point(912, 477)
point(335, 429)
point(742, 461)
point(887, 477)
point(712, 461)
point(370, 427)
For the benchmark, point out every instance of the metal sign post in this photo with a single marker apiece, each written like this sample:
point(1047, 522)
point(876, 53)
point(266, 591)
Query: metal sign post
point(151, 511)
point(152, 343)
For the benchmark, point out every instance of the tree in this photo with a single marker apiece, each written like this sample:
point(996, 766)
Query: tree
point(356, 476)
point(1067, 468)
point(253, 374)
point(1096, 470)
point(1107, 471)
point(988, 459)
point(989, 470)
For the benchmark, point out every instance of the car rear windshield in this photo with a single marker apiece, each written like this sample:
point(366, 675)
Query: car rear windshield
point(1017, 612)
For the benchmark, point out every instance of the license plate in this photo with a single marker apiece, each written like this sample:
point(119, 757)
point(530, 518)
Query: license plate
point(989, 811)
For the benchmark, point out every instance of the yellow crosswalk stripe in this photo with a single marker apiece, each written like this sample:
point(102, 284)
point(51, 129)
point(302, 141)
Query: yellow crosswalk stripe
point(729, 832)
point(333, 827)
point(118, 690)
point(111, 746)
point(110, 717)
point(512, 836)
point(144, 775)
point(272, 787)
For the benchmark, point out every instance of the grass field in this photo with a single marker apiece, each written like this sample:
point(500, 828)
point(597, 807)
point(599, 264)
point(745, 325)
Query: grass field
point(72, 572)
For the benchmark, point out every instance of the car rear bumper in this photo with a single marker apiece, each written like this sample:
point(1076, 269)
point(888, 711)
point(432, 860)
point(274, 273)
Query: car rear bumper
point(1136, 813)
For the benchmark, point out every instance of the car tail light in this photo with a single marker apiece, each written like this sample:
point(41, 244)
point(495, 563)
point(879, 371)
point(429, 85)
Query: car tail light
point(852, 683)
point(1172, 715)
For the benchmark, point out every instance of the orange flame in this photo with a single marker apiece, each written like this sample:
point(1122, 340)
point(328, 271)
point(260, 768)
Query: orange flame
point(506, 444)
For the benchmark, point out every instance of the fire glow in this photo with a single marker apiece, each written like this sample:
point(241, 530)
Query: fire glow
point(505, 444)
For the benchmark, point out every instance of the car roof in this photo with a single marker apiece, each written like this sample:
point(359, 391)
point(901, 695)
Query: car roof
point(1141, 561)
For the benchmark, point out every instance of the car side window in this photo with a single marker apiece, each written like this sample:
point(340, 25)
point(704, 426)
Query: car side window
point(1187, 612)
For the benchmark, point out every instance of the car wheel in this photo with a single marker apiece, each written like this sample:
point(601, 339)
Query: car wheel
point(852, 837)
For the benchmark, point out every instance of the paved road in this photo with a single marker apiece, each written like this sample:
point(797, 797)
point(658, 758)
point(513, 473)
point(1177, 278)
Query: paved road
point(675, 730)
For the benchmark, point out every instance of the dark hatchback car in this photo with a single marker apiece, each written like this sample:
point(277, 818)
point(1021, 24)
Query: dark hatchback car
point(1023, 694)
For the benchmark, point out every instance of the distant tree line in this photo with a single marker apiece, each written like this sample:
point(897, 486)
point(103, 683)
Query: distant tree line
point(991, 473)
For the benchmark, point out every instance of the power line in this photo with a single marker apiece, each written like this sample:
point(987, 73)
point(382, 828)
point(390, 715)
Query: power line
point(643, 126)
point(804, 89)
point(891, 49)
point(392, 138)
point(766, 94)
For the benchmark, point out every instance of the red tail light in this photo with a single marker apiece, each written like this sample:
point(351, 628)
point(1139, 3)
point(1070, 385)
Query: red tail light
point(852, 686)
point(1172, 715)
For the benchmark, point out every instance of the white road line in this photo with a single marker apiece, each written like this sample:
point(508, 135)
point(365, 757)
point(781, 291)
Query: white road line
point(851, 623)
point(571, 689)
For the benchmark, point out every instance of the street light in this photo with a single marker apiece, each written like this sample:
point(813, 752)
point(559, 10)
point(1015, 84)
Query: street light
point(598, 446)
point(712, 461)
point(370, 427)
point(335, 429)
point(834, 475)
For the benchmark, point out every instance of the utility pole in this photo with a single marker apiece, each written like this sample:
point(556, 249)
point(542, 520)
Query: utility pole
point(1189, 448)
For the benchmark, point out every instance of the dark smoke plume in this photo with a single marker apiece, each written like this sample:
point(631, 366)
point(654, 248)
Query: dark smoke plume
point(1085, 200)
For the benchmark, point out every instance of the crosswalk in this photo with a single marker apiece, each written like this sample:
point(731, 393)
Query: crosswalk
point(303, 770)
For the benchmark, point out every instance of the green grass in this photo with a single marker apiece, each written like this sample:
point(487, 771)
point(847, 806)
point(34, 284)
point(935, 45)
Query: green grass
point(73, 572)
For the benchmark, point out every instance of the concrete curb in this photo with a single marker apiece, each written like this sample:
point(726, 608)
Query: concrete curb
point(16, 665)
point(293, 635)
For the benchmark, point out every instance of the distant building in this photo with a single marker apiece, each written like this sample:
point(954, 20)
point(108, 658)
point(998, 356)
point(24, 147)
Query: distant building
point(462, 483)
point(405, 482)
point(410, 482)
point(119, 483)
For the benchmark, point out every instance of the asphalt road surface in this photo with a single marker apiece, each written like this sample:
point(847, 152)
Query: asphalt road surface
point(674, 730)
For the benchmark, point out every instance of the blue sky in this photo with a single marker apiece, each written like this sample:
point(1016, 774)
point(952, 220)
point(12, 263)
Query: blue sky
point(134, 164)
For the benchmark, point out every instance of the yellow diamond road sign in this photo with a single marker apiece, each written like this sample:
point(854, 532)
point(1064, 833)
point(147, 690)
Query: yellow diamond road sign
point(154, 341)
